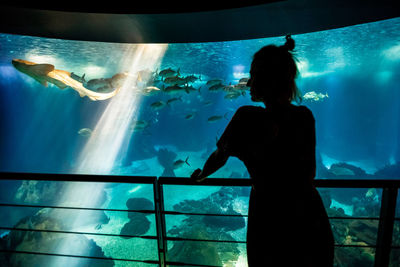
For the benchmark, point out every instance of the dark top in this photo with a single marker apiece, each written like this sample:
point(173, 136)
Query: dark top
point(277, 145)
point(273, 143)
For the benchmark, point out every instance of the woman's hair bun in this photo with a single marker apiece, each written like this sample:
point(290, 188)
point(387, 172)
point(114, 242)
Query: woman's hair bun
point(289, 45)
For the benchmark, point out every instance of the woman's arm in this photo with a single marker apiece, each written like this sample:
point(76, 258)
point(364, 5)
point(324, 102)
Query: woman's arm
point(216, 160)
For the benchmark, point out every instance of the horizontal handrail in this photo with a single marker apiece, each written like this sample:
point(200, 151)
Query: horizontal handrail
point(327, 183)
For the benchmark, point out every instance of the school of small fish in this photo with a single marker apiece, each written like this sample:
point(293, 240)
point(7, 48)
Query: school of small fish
point(171, 82)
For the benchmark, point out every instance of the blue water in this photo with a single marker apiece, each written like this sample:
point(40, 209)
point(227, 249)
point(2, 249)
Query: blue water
point(357, 125)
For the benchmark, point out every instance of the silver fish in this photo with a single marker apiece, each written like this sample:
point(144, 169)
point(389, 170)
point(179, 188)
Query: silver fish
point(177, 164)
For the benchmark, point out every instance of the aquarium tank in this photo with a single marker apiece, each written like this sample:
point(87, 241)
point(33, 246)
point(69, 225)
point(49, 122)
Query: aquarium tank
point(153, 110)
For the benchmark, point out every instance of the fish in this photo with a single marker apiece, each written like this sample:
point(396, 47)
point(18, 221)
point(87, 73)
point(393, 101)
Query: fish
point(139, 125)
point(106, 84)
point(157, 105)
point(213, 82)
point(46, 73)
point(190, 116)
point(171, 100)
point(118, 79)
point(189, 88)
point(78, 78)
point(244, 80)
point(192, 78)
point(216, 118)
point(175, 80)
point(207, 103)
point(151, 90)
point(314, 97)
point(232, 95)
point(179, 163)
point(217, 87)
point(85, 132)
point(168, 73)
point(174, 89)
point(99, 85)
point(241, 86)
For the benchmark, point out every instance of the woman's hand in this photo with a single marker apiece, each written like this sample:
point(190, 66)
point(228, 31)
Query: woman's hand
point(197, 175)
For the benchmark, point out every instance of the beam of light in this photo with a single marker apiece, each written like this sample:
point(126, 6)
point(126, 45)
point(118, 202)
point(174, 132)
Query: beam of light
point(107, 142)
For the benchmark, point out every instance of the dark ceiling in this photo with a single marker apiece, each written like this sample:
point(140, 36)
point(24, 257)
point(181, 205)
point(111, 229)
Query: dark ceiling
point(190, 21)
point(135, 6)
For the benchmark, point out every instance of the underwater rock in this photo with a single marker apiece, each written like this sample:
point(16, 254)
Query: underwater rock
point(35, 192)
point(166, 158)
point(354, 233)
point(364, 230)
point(168, 172)
point(139, 203)
point(47, 242)
point(326, 197)
point(353, 256)
point(140, 147)
point(69, 220)
point(48, 193)
point(344, 169)
point(389, 171)
point(235, 174)
point(225, 223)
point(196, 252)
point(209, 227)
point(341, 171)
point(321, 170)
point(137, 225)
point(220, 202)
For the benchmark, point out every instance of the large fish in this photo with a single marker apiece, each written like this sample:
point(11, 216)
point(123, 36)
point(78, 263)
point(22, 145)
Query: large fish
point(46, 73)
point(314, 97)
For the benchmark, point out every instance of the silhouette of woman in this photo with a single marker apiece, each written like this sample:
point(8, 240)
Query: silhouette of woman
point(287, 221)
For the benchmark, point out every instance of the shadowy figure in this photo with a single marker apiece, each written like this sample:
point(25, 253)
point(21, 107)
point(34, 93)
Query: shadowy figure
point(287, 221)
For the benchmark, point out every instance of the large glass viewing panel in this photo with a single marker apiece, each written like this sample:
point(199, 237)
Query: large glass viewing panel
point(158, 109)
point(83, 220)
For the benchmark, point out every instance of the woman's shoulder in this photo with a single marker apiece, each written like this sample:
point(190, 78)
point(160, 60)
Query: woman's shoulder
point(303, 111)
point(250, 109)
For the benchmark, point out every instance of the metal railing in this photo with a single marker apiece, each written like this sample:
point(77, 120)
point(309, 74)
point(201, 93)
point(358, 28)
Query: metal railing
point(384, 234)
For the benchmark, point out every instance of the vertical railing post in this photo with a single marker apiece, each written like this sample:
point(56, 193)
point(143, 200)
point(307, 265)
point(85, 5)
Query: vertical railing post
point(385, 228)
point(160, 221)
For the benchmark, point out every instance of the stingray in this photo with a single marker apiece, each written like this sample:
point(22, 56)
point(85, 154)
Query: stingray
point(46, 73)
